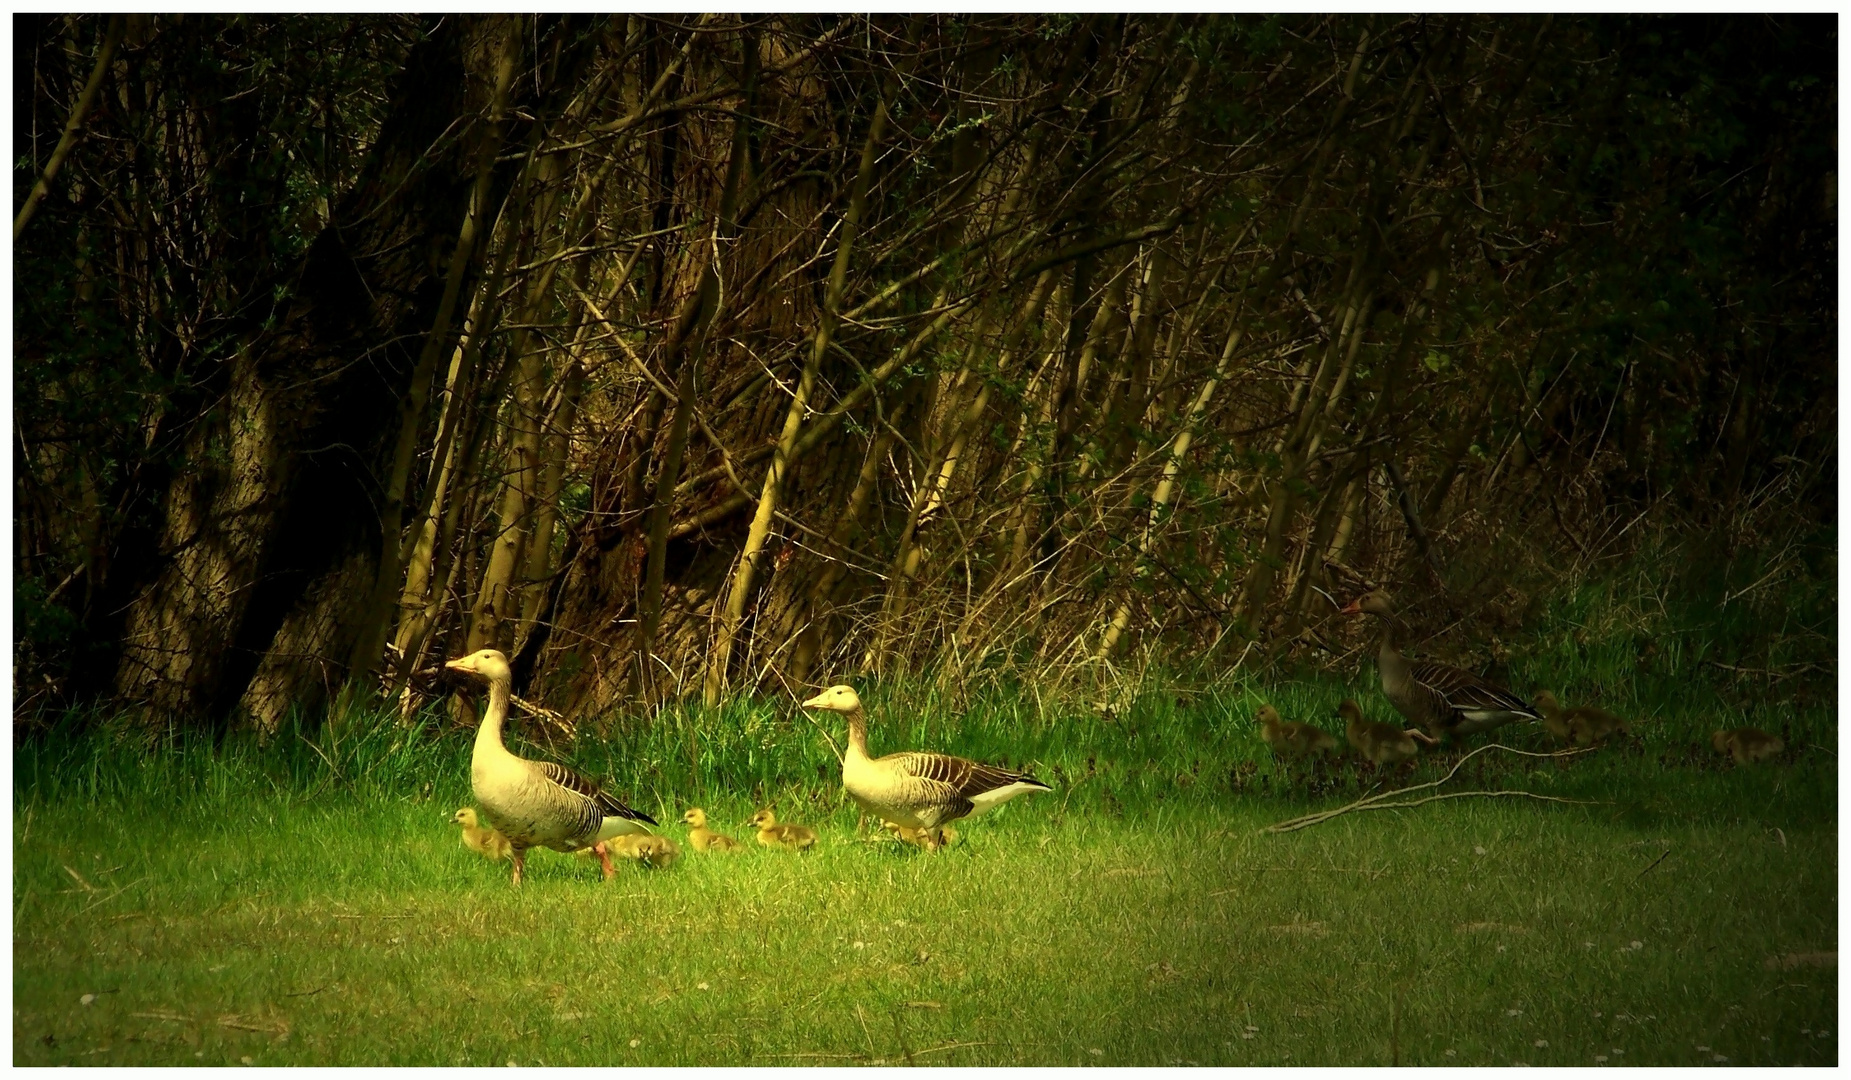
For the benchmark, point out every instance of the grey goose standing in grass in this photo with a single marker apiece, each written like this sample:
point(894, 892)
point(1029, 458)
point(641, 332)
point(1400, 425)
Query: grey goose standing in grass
point(1439, 697)
point(916, 789)
point(536, 803)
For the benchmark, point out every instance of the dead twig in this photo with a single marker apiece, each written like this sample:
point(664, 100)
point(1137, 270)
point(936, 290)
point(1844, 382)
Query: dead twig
point(1381, 801)
point(1655, 862)
point(1490, 794)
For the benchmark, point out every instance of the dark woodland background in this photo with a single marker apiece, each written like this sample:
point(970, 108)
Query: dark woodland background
point(694, 355)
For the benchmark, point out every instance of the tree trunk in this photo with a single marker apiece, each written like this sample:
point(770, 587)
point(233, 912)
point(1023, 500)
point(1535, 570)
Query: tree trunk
point(301, 421)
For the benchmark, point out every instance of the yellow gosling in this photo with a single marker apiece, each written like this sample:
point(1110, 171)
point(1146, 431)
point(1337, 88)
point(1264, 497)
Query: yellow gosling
point(646, 848)
point(703, 839)
point(773, 835)
point(488, 843)
point(929, 839)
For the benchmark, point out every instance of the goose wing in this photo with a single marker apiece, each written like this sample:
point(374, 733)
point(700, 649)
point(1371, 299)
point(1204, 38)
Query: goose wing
point(1467, 694)
point(958, 778)
point(585, 788)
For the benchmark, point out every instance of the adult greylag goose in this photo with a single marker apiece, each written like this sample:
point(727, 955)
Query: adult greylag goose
point(1374, 741)
point(1292, 741)
point(773, 835)
point(536, 803)
point(703, 839)
point(487, 843)
point(917, 789)
point(1584, 725)
point(1747, 745)
point(1439, 697)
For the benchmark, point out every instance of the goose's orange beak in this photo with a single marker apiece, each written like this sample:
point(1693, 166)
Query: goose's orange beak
point(1354, 607)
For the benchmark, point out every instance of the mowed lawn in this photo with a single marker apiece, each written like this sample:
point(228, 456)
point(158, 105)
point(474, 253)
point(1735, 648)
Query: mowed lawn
point(1688, 918)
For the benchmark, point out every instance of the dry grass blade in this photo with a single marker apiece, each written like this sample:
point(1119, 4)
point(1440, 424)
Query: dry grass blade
point(164, 1014)
point(275, 1028)
point(949, 1046)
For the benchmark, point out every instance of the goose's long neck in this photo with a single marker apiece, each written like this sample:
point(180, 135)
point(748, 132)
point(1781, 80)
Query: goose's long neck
point(857, 733)
point(1394, 665)
point(488, 733)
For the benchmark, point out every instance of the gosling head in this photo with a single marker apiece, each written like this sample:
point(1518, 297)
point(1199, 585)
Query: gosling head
point(490, 664)
point(765, 819)
point(1721, 741)
point(465, 817)
point(841, 699)
point(1351, 712)
point(695, 817)
point(1377, 602)
point(1546, 703)
point(1267, 716)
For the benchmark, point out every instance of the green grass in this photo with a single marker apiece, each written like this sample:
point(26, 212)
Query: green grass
point(306, 902)
point(299, 904)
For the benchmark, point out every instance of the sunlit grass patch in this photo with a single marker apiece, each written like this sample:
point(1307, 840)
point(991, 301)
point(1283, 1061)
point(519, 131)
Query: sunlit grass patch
point(232, 902)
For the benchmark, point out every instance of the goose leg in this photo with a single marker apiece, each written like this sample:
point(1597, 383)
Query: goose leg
point(604, 859)
point(520, 863)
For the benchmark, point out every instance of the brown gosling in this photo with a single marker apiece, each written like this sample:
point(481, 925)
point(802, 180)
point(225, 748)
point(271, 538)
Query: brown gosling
point(1293, 741)
point(653, 851)
point(704, 839)
point(1554, 721)
point(773, 835)
point(1584, 725)
point(488, 843)
point(1374, 741)
point(1747, 745)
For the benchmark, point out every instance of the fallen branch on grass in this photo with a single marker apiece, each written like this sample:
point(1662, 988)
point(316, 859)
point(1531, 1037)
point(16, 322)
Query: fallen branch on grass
point(1380, 802)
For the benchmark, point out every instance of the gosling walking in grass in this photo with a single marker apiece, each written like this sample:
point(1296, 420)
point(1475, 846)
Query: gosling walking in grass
point(945, 836)
point(787, 837)
point(1375, 742)
point(488, 843)
point(652, 851)
point(1583, 725)
point(1293, 741)
point(703, 840)
point(917, 789)
point(1747, 745)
